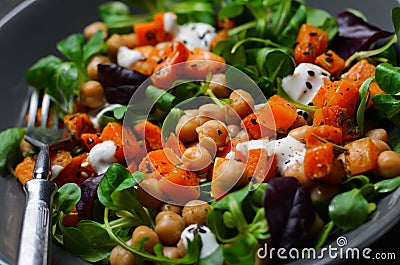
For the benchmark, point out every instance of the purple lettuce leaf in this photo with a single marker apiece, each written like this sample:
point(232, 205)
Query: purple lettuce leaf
point(289, 211)
point(88, 196)
point(354, 34)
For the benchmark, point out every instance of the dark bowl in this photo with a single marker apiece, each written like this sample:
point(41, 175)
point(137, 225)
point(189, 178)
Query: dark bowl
point(31, 30)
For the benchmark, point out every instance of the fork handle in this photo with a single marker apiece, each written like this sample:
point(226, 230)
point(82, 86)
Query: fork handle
point(36, 227)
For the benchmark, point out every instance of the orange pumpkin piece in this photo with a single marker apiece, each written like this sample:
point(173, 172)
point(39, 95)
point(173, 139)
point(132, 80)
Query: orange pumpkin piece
point(344, 95)
point(162, 35)
point(146, 33)
point(200, 62)
point(318, 161)
point(174, 54)
point(152, 59)
point(374, 89)
point(361, 156)
point(330, 133)
point(230, 146)
point(151, 133)
point(79, 123)
point(113, 131)
point(254, 129)
point(221, 35)
point(311, 41)
point(260, 165)
point(179, 184)
point(278, 114)
point(336, 116)
point(76, 171)
point(331, 62)
point(320, 97)
point(89, 140)
point(24, 170)
point(360, 72)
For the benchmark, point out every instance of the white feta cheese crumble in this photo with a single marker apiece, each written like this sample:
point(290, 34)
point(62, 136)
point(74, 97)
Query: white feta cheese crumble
point(244, 147)
point(55, 170)
point(209, 242)
point(196, 35)
point(305, 82)
point(126, 57)
point(101, 156)
point(288, 150)
point(170, 24)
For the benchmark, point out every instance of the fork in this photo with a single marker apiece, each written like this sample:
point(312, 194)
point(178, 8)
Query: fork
point(35, 235)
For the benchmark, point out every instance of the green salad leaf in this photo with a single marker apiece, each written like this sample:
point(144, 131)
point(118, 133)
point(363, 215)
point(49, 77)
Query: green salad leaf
point(349, 210)
point(66, 197)
point(9, 143)
point(388, 79)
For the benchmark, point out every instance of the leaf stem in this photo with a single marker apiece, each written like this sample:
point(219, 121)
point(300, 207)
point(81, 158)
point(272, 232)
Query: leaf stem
point(143, 254)
point(238, 29)
point(335, 146)
point(365, 54)
point(267, 42)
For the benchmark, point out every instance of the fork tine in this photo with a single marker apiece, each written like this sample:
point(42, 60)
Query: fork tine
point(55, 120)
point(33, 106)
point(45, 111)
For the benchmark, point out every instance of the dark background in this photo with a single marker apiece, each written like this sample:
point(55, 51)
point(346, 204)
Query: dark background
point(379, 16)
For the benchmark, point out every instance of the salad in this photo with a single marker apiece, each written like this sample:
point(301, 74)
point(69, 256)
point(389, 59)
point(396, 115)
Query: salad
point(202, 130)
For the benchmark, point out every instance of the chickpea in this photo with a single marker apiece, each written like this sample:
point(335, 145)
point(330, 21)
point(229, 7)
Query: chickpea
point(192, 112)
point(381, 145)
point(212, 111)
point(91, 68)
point(233, 130)
point(120, 256)
point(149, 194)
point(218, 86)
point(169, 227)
point(216, 130)
point(25, 148)
point(231, 116)
point(378, 134)
point(130, 40)
point(112, 45)
point(388, 164)
point(209, 144)
point(297, 171)
point(142, 232)
point(92, 28)
point(91, 94)
point(300, 133)
point(323, 191)
point(197, 158)
point(171, 252)
point(195, 212)
point(171, 207)
point(242, 135)
point(242, 102)
point(186, 128)
point(181, 248)
point(229, 174)
point(114, 42)
point(299, 122)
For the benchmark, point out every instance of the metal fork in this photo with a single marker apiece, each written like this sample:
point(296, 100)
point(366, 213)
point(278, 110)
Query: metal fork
point(35, 236)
